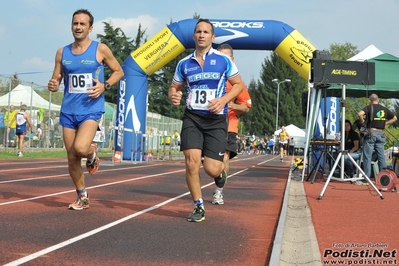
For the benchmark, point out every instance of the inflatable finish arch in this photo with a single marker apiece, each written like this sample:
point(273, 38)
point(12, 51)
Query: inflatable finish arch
point(171, 41)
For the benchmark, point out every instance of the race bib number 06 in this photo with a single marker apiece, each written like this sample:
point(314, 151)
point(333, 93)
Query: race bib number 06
point(78, 83)
point(199, 98)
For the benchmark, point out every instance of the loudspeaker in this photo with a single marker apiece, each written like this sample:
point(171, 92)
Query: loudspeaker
point(326, 72)
point(386, 180)
point(304, 103)
point(325, 55)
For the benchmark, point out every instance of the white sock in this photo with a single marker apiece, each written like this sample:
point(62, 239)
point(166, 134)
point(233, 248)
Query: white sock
point(94, 157)
point(219, 189)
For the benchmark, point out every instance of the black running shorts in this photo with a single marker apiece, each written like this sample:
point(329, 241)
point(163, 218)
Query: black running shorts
point(283, 145)
point(205, 132)
point(232, 144)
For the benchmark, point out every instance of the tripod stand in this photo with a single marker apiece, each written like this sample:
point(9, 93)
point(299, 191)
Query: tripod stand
point(324, 151)
point(342, 153)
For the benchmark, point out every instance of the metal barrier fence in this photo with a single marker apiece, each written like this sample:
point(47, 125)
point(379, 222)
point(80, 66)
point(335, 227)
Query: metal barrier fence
point(155, 144)
point(156, 148)
point(43, 110)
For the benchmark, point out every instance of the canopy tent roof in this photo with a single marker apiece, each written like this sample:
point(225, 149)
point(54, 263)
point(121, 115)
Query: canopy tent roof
point(26, 95)
point(386, 80)
point(292, 130)
point(367, 53)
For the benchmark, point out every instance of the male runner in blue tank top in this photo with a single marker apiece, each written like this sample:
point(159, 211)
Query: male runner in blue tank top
point(81, 66)
point(204, 130)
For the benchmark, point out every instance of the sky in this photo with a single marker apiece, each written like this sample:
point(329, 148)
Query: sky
point(31, 31)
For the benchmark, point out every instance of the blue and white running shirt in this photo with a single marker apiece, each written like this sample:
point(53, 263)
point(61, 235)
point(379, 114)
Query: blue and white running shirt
point(207, 82)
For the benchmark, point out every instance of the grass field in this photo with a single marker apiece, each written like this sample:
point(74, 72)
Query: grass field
point(11, 153)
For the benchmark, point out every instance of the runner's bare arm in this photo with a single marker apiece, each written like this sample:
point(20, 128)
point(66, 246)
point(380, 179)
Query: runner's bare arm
point(55, 81)
point(109, 59)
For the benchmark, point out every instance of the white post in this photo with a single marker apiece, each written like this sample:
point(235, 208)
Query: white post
point(278, 99)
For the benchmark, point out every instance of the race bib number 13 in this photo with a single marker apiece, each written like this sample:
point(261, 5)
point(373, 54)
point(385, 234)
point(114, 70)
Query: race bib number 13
point(78, 83)
point(199, 98)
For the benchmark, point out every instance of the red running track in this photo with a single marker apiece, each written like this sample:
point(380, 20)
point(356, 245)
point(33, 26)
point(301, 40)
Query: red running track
point(353, 225)
point(137, 214)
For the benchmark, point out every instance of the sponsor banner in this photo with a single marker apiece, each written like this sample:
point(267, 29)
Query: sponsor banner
point(333, 117)
point(247, 34)
point(297, 52)
point(333, 126)
point(158, 51)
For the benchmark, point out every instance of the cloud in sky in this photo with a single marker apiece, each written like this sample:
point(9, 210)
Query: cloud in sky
point(128, 25)
point(32, 30)
point(37, 63)
point(2, 33)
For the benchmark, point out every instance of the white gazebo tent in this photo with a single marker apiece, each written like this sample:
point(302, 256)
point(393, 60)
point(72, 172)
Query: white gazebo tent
point(26, 95)
point(22, 94)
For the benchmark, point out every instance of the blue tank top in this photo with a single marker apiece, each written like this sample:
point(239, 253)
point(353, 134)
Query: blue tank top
point(207, 82)
point(78, 71)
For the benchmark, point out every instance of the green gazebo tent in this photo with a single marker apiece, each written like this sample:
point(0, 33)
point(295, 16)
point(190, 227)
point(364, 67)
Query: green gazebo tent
point(386, 80)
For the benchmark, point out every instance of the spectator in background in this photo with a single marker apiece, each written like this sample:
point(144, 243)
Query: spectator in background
point(36, 140)
point(239, 145)
point(176, 139)
point(375, 117)
point(40, 115)
point(270, 145)
point(11, 123)
point(2, 127)
point(261, 147)
point(291, 147)
point(39, 132)
point(247, 145)
point(352, 145)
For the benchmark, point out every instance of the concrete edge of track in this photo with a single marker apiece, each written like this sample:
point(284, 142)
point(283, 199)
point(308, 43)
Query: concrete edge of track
point(295, 242)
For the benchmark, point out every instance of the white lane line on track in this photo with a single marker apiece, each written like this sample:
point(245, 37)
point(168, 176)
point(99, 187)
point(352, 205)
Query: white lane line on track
point(102, 185)
point(69, 191)
point(100, 229)
point(50, 176)
point(271, 159)
point(38, 161)
point(36, 168)
point(65, 165)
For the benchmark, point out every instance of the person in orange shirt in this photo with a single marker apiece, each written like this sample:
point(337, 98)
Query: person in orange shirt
point(239, 105)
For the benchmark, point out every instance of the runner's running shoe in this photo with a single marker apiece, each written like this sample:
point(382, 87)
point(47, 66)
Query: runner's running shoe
point(81, 202)
point(198, 215)
point(92, 167)
point(217, 197)
point(221, 180)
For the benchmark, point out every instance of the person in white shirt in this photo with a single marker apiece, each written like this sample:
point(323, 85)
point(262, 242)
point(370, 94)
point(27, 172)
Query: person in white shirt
point(22, 119)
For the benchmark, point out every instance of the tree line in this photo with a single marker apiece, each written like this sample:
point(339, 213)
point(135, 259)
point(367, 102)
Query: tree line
point(261, 120)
